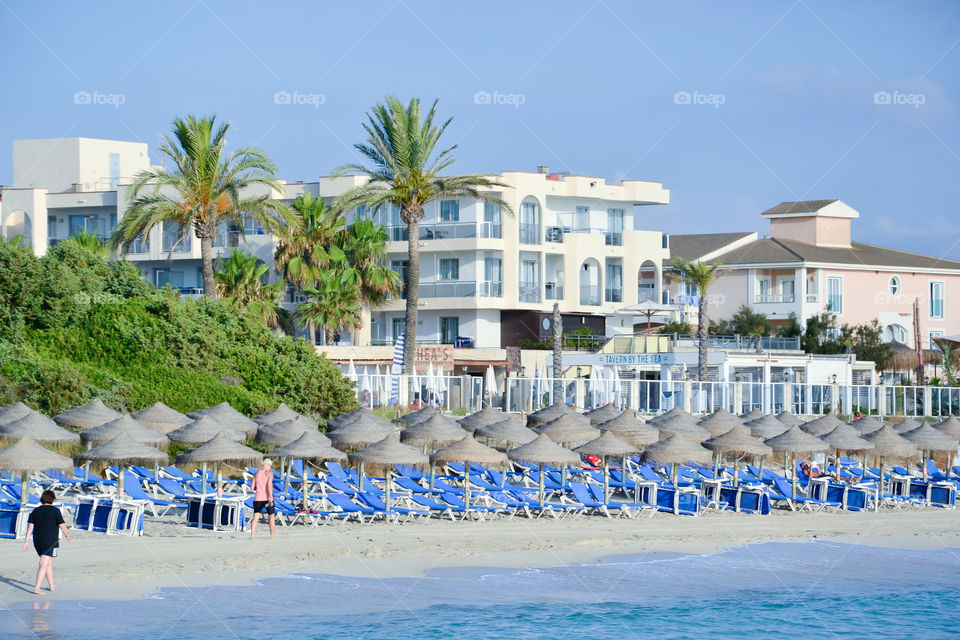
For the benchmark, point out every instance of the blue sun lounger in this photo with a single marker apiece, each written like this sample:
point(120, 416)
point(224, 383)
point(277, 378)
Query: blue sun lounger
point(597, 492)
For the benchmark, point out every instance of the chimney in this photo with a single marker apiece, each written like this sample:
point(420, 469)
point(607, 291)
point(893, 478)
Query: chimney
point(542, 168)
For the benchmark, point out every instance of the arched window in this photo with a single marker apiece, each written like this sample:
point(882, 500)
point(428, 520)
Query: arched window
point(895, 333)
point(894, 286)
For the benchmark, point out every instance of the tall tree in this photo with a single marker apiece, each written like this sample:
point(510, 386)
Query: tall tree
point(700, 275)
point(404, 172)
point(201, 190)
point(333, 302)
point(241, 284)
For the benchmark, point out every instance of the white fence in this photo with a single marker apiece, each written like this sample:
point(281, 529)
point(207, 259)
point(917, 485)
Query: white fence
point(522, 395)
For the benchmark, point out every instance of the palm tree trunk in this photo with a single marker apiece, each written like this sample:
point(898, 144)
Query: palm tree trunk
point(206, 262)
point(704, 337)
point(412, 284)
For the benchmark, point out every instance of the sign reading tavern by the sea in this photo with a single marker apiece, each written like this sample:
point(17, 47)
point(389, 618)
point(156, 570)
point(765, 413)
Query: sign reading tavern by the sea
point(628, 359)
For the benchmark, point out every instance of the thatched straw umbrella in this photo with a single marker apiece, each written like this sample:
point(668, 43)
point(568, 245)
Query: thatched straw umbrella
point(605, 446)
point(788, 418)
point(229, 417)
point(435, 430)
point(887, 443)
point(161, 418)
point(753, 414)
point(843, 437)
point(388, 452)
point(766, 426)
point(720, 422)
point(791, 442)
point(951, 427)
point(88, 416)
point(202, 429)
point(867, 424)
point(281, 413)
point(220, 449)
point(907, 424)
point(121, 451)
point(279, 434)
point(26, 456)
point(416, 417)
point(675, 450)
point(507, 430)
point(543, 451)
point(468, 450)
point(309, 447)
point(684, 424)
point(352, 416)
point(124, 424)
point(928, 439)
point(738, 441)
point(608, 411)
point(824, 424)
point(547, 414)
point(37, 426)
point(631, 429)
point(904, 357)
point(675, 412)
point(568, 428)
point(13, 411)
point(486, 416)
point(361, 431)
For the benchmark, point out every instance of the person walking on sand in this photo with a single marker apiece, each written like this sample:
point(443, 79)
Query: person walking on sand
point(45, 524)
point(262, 484)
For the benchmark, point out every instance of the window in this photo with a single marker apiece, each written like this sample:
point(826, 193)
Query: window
point(581, 220)
point(614, 290)
point(493, 278)
point(764, 286)
point(449, 330)
point(614, 234)
point(895, 333)
point(449, 210)
point(787, 289)
point(141, 245)
point(172, 240)
point(397, 325)
point(529, 281)
point(687, 289)
point(51, 227)
point(163, 277)
point(449, 268)
point(835, 294)
point(492, 221)
point(935, 334)
point(936, 299)
point(894, 286)
point(401, 267)
point(530, 223)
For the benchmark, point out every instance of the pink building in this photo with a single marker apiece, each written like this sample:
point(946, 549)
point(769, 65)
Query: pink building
point(810, 264)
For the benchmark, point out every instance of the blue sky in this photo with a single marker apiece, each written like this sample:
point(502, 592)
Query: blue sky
point(735, 106)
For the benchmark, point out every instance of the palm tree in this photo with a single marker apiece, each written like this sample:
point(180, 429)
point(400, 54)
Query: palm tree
point(364, 244)
point(201, 191)
point(700, 275)
point(401, 146)
point(334, 302)
point(240, 283)
point(90, 242)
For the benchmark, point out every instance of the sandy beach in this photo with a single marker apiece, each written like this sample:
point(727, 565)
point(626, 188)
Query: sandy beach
point(94, 566)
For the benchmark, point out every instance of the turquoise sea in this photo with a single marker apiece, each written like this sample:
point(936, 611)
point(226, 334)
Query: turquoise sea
point(780, 590)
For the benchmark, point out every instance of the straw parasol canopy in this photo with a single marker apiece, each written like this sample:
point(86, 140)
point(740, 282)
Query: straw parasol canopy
point(26, 455)
point(796, 440)
point(221, 448)
point(753, 414)
point(417, 416)
point(467, 449)
point(907, 424)
point(767, 426)
point(843, 437)
point(202, 429)
point(229, 417)
point(608, 444)
point(738, 441)
point(508, 430)
point(602, 414)
point(90, 415)
point(37, 426)
point(435, 430)
point(486, 416)
point(309, 446)
point(788, 418)
point(570, 427)
point(630, 429)
point(355, 415)
point(677, 448)
point(388, 451)
point(720, 422)
point(542, 451)
point(824, 424)
point(123, 450)
point(547, 414)
point(124, 424)
point(279, 434)
point(682, 423)
point(926, 438)
point(360, 432)
point(950, 426)
point(160, 418)
point(867, 424)
point(904, 357)
point(13, 412)
point(281, 413)
point(887, 443)
point(670, 415)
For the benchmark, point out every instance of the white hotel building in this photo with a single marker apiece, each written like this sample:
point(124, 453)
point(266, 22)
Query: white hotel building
point(489, 278)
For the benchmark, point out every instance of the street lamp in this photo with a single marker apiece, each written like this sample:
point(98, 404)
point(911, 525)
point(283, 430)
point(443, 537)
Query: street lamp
point(523, 372)
point(833, 378)
point(579, 372)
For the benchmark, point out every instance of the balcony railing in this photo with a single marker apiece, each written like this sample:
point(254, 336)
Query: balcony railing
point(773, 298)
point(645, 294)
point(613, 238)
point(554, 291)
point(448, 230)
point(227, 239)
point(529, 292)
point(490, 289)
point(590, 294)
point(456, 289)
point(170, 242)
point(491, 229)
point(690, 301)
point(397, 233)
point(813, 298)
point(613, 295)
point(529, 234)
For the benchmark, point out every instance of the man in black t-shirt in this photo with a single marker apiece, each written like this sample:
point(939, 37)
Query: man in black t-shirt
point(45, 524)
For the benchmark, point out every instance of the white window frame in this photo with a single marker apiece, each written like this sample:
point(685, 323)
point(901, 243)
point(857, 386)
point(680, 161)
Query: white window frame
point(453, 210)
point(934, 333)
point(440, 264)
point(894, 286)
point(827, 294)
point(943, 296)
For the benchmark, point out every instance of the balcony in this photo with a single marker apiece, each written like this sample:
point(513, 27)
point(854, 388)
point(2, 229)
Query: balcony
point(590, 295)
point(646, 294)
point(173, 242)
point(448, 230)
point(397, 233)
point(813, 298)
point(773, 298)
point(490, 289)
point(529, 292)
point(227, 239)
point(456, 289)
point(613, 238)
point(529, 234)
point(491, 229)
point(554, 291)
point(613, 295)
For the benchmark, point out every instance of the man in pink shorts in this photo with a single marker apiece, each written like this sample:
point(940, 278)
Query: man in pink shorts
point(263, 497)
